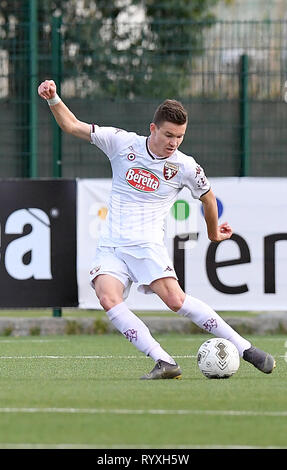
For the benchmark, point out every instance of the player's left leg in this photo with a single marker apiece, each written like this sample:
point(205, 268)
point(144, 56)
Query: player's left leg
point(169, 290)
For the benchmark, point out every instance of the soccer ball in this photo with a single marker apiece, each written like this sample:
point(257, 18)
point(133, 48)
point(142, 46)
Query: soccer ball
point(218, 358)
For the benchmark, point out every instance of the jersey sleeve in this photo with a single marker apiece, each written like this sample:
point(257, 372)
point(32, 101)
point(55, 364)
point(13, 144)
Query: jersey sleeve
point(194, 178)
point(109, 139)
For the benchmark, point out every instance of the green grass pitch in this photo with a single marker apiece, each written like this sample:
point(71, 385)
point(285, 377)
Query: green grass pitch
point(84, 392)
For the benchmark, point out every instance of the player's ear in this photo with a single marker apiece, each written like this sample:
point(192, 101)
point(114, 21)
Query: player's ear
point(152, 127)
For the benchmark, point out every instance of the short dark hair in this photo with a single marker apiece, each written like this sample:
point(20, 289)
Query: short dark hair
point(171, 111)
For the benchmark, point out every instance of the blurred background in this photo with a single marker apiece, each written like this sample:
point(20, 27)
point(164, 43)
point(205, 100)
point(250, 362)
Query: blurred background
point(114, 62)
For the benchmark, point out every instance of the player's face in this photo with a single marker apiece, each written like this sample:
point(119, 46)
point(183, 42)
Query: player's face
point(166, 138)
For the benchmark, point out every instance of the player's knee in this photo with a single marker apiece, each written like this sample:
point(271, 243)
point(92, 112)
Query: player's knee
point(175, 301)
point(109, 300)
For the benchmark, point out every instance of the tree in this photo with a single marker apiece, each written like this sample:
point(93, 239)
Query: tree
point(119, 49)
point(153, 58)
point(177, 29)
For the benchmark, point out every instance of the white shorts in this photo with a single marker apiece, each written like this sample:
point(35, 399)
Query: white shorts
point(129, 264)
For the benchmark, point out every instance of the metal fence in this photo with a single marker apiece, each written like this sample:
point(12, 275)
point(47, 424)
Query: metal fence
point(229, 75)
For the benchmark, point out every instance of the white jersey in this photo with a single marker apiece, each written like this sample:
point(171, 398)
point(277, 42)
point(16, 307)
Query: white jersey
point(144, 187)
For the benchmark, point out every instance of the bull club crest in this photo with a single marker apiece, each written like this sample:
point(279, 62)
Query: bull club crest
point(169, 170)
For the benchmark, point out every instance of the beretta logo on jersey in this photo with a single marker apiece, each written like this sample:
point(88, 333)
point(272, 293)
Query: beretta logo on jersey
point(142, 180)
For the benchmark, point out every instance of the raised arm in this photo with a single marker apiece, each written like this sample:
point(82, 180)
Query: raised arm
point(216, 233)
point(64, 117)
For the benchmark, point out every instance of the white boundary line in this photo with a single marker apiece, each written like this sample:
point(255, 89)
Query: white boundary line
point(280, 414)
point(87, 357)
point(29, 340)
point(187, 356)
point(70, 357)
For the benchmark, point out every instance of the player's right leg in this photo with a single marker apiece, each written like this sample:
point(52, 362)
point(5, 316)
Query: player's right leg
point(109, 291)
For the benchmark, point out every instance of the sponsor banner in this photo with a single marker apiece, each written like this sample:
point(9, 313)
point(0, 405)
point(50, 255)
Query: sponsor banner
point(247, 272)
point(38, 243)
point(92, 208)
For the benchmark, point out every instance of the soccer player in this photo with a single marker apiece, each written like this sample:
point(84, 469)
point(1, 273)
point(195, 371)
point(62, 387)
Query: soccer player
point(148, 173)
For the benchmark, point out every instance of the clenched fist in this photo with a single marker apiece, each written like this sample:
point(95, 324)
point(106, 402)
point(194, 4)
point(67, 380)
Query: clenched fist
point(47, 90)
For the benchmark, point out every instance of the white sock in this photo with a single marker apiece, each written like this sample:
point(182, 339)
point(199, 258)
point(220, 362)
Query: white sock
point(137, 332)
point(207, 319)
